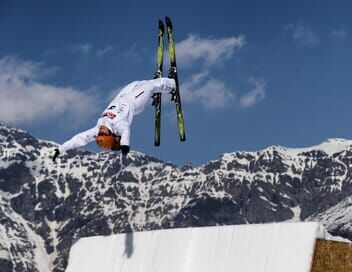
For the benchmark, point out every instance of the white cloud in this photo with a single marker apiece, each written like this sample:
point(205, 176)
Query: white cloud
point(339, 33)
point(210, 92)
point(83, 48)
point(10, 68)
point(25, 99)
point(202, 88)
point(210, 51)
point(133, 54)
point(254, 96)
point(90, 49)
point(101, 52)
point(302, 35)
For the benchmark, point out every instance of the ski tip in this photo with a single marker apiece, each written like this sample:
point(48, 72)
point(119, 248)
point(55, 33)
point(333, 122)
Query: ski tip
point(161, 24)
point(168, 20)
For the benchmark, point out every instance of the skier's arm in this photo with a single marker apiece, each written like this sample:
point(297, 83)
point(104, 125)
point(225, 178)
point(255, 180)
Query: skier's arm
point(162, 85)
point(80, 139)
point(124, 130)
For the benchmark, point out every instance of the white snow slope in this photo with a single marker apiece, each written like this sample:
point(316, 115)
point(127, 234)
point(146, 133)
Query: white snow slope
point(276, 247)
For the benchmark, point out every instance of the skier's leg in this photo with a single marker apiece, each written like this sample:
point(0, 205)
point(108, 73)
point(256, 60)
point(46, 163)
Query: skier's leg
point(141, 99)
point(142, 96)
point(163, 85)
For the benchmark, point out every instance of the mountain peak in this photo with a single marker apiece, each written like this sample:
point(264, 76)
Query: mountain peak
point(330, 147)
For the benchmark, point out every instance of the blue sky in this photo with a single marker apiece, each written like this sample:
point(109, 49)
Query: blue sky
point(252, 73)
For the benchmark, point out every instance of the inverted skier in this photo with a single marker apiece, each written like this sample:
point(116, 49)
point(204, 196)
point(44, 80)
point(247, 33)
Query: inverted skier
point(112, 130)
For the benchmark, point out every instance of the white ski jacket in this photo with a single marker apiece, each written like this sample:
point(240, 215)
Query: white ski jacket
point(118, 116)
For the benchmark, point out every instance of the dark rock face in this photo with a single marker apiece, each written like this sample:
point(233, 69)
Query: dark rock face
point(207, 211)
point(14, 177)
point(46, 206)
point(6, 265)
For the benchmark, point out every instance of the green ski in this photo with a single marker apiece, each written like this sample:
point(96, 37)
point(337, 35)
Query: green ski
point(173, 74)
point(158, 74)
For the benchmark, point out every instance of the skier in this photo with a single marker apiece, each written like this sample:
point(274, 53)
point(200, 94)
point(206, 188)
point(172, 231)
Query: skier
point(112, 130)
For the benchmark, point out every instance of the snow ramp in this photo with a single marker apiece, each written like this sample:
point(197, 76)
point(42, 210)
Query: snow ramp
point(278, 247)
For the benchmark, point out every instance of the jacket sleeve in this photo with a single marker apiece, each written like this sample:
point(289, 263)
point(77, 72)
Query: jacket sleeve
point(80, 139)
point(124, 130)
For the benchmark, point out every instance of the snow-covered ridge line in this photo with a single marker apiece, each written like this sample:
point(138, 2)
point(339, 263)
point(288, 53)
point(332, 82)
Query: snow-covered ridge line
point(330, 147)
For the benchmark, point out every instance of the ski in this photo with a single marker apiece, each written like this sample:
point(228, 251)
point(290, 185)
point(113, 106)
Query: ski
point(158, 74)
point(173, 74)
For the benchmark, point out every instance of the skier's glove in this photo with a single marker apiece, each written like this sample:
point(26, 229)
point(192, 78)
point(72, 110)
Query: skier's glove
point(57, 153)
point(125, 149)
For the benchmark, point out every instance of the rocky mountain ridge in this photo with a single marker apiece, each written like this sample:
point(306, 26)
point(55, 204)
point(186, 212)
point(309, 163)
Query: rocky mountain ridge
point(46, 206)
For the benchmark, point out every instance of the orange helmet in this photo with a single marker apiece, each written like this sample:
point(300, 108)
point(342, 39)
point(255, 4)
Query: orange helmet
point(108, 142)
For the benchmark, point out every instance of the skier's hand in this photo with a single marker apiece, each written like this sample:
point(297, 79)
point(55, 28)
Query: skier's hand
point(57, 153)
point(125, 149)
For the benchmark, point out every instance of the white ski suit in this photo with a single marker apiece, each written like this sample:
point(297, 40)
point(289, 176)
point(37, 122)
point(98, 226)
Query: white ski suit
point(130, 101)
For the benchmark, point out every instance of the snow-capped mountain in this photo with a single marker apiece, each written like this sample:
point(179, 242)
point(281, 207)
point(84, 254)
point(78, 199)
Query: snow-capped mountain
point(46, 206)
